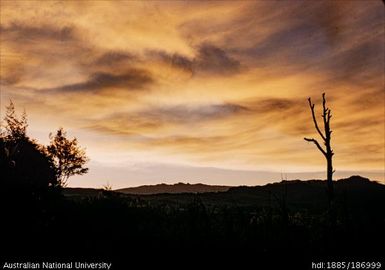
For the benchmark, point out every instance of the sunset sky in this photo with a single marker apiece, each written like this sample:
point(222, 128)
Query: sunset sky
point(212, 92)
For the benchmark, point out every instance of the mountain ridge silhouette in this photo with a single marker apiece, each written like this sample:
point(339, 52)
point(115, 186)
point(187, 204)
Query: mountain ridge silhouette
point(199, 188)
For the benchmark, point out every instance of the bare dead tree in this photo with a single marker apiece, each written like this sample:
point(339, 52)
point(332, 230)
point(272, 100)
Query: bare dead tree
point(326, 137)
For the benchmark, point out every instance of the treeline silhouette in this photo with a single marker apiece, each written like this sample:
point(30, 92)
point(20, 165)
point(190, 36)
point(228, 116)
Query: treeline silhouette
point(40, 217)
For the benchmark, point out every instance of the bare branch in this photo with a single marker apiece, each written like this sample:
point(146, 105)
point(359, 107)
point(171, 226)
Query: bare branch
point(317, 144)
point(324, 110)
point(329, 116)
point(315, 120)
point(324, 102)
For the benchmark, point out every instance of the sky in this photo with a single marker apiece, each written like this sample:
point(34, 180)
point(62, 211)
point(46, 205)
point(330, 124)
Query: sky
point(200, 92)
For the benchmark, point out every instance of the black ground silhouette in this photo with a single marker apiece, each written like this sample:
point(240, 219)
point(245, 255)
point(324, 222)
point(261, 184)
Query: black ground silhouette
point(287, 219)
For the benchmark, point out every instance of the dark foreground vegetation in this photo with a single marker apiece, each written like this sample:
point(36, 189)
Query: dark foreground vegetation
point(284, 219)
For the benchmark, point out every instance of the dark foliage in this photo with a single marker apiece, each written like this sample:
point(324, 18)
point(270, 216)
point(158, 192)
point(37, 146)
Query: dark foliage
point(68, 158)
point(24, 164)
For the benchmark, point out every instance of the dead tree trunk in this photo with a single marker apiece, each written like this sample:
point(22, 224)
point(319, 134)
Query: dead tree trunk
point(326, 137)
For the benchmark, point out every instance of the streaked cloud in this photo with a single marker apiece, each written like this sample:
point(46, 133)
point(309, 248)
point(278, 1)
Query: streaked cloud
point(18, 32)
point(113, 58)
point(131, 80)
point(215, 60)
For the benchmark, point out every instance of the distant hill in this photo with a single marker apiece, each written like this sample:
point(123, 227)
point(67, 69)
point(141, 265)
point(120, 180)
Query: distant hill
point(296, 194)
point(175, 188)
point(310, 194)
point(81, 192)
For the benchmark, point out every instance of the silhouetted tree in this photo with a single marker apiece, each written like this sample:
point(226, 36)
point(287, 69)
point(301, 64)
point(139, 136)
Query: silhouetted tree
point(12, 134)
point(15, 128)
point(68, 157)
point(326, 137)
point(24, 163)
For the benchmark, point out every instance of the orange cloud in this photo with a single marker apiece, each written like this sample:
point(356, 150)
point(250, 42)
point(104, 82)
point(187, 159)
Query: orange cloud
point(200, 83)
